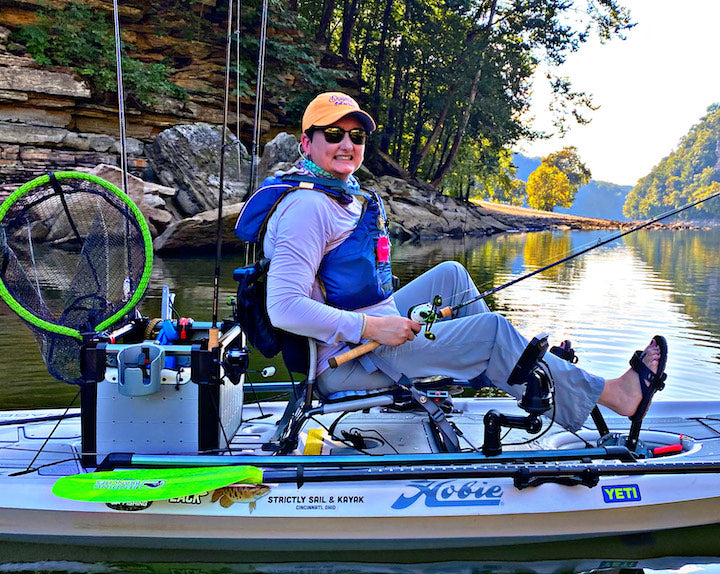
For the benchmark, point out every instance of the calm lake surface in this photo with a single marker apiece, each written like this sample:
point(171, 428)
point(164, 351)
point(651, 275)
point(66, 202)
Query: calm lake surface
point(608, 302)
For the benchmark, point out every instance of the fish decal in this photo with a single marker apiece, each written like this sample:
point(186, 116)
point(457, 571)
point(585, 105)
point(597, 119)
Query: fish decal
point(247, 493)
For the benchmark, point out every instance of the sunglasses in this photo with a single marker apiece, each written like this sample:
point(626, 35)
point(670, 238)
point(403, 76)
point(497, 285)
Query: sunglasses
point(335, 135)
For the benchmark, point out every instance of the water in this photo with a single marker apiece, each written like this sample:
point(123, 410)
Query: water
point(608, 302)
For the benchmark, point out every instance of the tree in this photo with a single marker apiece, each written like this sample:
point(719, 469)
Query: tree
point(556, 181)
point(548, 187)
point(568, 161)
point(449, 74)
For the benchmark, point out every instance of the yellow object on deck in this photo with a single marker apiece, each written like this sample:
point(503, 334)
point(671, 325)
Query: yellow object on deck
point(314, 442)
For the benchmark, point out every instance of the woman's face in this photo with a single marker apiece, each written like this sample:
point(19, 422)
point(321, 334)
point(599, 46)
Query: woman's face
point(340, 159)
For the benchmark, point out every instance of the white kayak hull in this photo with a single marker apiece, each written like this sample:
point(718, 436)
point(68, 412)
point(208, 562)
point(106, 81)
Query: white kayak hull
point(391, 515)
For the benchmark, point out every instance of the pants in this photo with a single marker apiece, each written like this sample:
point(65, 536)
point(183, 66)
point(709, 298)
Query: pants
point(473, 343)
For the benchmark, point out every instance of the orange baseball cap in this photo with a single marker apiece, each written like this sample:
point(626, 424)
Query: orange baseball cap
point(329, 107)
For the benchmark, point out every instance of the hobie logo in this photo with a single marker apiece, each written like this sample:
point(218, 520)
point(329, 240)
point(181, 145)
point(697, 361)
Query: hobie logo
point(450, 493)
point(621, 493)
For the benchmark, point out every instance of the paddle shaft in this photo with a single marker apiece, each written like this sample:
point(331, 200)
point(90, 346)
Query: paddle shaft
point(120, 460)
point(302, 474)
point(161, 484)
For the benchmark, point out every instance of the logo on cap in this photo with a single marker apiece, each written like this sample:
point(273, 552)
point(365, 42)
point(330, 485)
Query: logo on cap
point(342, 101)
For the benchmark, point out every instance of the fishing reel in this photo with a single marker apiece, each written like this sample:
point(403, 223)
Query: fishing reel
point(235, 363)
point(426, 314)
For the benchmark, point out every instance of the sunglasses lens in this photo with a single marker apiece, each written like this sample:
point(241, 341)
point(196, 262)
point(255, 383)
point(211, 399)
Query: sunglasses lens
point(333, 135)
point(357, 136)
point(336, 135)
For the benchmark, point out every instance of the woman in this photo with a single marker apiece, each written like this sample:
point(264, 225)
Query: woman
point(329, 279)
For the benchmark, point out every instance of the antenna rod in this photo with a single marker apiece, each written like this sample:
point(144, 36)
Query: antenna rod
point(213, 333)
point(257, 127)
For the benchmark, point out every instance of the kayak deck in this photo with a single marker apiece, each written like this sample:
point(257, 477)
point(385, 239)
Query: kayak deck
point(383, 515)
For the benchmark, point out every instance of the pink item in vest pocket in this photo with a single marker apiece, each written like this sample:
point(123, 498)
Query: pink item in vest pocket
point(383, 249)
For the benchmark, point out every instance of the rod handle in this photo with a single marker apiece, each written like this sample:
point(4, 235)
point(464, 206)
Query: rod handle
point(445, 312)
point(354, 353)
point(213, 338)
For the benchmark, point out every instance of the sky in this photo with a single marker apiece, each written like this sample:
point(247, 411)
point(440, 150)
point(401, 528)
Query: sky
point(651, 88)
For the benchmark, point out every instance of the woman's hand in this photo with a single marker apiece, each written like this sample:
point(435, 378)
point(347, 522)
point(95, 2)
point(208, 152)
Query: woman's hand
point(392, 330)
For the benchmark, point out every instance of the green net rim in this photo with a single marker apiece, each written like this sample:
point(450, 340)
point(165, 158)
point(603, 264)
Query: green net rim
point(147, 241)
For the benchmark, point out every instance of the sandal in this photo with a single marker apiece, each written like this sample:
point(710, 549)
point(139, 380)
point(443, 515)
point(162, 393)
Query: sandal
point(656, 380)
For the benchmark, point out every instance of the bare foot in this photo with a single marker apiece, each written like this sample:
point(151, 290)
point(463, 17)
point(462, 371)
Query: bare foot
point(623, 394)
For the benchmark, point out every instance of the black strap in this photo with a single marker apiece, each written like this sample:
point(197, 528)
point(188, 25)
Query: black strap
point(437, 416)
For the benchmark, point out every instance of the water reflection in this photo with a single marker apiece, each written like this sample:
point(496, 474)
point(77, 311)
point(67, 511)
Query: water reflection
point(609, 301)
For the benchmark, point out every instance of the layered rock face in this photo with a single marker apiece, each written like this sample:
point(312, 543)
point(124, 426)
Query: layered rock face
point(50, 119)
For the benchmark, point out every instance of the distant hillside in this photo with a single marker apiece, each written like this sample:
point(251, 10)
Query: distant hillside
point(687, 174)
point(599, 199)
point(525, 165)
point(596, 199)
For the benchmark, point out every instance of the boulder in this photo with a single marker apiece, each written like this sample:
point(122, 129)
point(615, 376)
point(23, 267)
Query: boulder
point(198, 233)
point(187, 158)
point(282, 151)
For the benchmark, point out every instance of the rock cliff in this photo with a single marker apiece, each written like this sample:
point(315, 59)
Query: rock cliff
point(51, 120)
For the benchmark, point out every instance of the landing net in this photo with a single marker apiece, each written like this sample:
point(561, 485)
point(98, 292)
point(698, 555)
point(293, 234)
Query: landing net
point(76, 257)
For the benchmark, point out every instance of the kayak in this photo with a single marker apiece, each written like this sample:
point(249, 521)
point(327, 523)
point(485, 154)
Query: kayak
point(171, 447)
point(386, 488)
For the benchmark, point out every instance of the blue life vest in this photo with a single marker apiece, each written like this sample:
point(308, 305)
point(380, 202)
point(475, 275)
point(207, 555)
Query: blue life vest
point(355, 274)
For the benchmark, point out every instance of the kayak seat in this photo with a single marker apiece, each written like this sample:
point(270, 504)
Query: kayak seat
point(309, 403)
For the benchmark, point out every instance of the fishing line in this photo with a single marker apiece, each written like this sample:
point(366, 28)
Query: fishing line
point(599, 243)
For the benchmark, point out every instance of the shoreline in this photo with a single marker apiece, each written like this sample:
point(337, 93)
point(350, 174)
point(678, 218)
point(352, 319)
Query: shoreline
point(537, 220)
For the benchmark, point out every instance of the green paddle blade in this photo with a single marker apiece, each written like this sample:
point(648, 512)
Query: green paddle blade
point(151, 484)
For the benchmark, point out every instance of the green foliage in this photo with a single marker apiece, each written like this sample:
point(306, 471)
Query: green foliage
point(83, 39)
point(555, 182)
point(441, 75)
point(547, 187)
point(690, 173)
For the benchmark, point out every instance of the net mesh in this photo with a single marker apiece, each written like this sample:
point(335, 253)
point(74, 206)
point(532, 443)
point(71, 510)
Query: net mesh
point(75, 260)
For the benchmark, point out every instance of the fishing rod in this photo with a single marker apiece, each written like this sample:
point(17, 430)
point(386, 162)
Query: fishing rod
point(427, 313)
point(213, 332)
point(121, 97)
point(257, 121)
